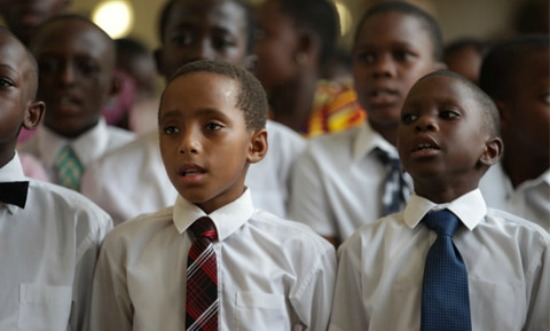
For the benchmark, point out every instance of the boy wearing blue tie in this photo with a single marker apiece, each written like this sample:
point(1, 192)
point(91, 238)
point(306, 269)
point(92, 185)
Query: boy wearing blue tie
point(446, 262)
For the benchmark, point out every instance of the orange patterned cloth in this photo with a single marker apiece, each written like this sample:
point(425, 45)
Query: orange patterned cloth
point(335, 108)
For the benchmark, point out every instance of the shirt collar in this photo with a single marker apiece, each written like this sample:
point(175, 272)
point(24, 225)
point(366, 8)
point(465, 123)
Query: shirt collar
point(88, 146)
point(227, 219)
point(470, 209)
point(12, 172)
point(367, 140)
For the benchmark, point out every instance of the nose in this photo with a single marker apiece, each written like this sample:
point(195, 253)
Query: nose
point(426, 123)
point(383, 67)
point(67, 74)
point(203, 50)
point(190, 142)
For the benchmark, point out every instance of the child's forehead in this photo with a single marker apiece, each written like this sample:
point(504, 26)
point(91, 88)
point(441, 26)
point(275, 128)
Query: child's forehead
point(401, 24)
point(67, 30)
point(443, 89)
point(203, 84)
point(224, 10)
point(13, 53)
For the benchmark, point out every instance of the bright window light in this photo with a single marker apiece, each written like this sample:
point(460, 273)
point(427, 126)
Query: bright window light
point(345, 17)
point(115, 17)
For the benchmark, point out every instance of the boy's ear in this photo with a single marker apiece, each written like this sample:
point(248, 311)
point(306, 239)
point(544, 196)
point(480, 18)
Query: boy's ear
point(309, 47)
point(504, 116)
point(492, 152)
point(33, 114)
point(258, 146)
point(116, 84)
point(158, 61)
point(250, 62)
point(440, 66)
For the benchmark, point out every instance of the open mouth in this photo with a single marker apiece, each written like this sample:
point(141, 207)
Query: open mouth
point(424, 146)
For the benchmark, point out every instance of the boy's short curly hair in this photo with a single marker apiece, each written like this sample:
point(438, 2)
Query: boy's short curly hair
point(252, 98)
point(490, 114)
point(505, 59)
point(429, 22)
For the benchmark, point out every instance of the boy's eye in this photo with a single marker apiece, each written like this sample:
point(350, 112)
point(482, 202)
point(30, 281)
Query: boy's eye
point(169, 130)
point(408, 118)
point(365, 57)
point(213, 126)
point(259, 34)
point(48, 66)
point(221, 43)
point(448, 114)
point(182, 39)
point(402, 55)
point(87, 67)
point(4, 82)
point(546, 99)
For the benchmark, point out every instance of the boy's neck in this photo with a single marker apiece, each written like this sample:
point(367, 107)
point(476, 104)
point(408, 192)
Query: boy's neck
point(529, 167)
point(443, 191)
point(292, 104)
point(7, 153)
point(389, 133)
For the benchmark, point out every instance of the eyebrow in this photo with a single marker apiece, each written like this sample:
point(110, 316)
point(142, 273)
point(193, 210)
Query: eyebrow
point(202, 112)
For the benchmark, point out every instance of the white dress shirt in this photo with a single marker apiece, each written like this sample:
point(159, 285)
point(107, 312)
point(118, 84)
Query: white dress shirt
point(338, 182)
point(530, 200)
point(48, 252)
point(273, 274)
point(381, 267)
point(89, 146)
point(132, 179)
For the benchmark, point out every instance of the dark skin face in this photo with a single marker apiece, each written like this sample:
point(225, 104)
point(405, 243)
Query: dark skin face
point(277, 46)
point(466, 61)
point(443, 141)
point(17, 106)
point(76, 63)
point(392, 51)
point(24, 16)
point(525, 117)
point(203, 30)
point(204, 141)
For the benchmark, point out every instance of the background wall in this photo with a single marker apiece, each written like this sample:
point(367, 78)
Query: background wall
point(474, 18)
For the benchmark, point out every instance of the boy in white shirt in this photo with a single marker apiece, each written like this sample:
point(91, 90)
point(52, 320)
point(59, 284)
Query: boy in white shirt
point(76, 63)
point(143, 186)
point(273, 274)
point(448, 138)
point(516, 74)
point(49, 236)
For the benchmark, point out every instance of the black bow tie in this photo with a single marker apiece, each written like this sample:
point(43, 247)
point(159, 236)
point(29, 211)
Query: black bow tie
point(14, 193)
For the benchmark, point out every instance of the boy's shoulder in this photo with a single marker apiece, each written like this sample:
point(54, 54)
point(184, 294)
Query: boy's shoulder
point(376, 233)
point(287, 234)
point(511, 223)
point(67, 203)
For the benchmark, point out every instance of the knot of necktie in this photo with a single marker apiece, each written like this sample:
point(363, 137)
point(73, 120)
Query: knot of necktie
point(442, 222)
point(204, 227)
point(14, 193)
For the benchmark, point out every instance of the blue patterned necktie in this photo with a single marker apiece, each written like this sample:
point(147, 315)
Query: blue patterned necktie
point(445, 299)
point(396, 190)
point(69, 168)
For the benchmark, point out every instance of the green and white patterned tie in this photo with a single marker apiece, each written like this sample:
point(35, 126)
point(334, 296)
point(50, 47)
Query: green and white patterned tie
point(69, 168)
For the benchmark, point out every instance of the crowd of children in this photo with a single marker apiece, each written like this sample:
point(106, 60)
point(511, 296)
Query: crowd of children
point(416, 197)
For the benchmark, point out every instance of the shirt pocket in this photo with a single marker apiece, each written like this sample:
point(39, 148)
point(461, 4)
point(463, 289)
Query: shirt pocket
point(261, 311)
point(44, 307)
point(496, 306)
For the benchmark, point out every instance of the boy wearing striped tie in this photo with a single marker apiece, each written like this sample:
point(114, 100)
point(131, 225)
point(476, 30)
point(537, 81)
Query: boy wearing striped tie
point(213, 262)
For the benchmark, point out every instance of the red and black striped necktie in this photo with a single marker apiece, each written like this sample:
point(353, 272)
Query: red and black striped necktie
point(202, 279)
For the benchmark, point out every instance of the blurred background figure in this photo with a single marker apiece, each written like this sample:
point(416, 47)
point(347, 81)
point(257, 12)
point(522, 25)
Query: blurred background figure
point(135, 106)
point(24, 16)
point(295, 40)
point(464, 56)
